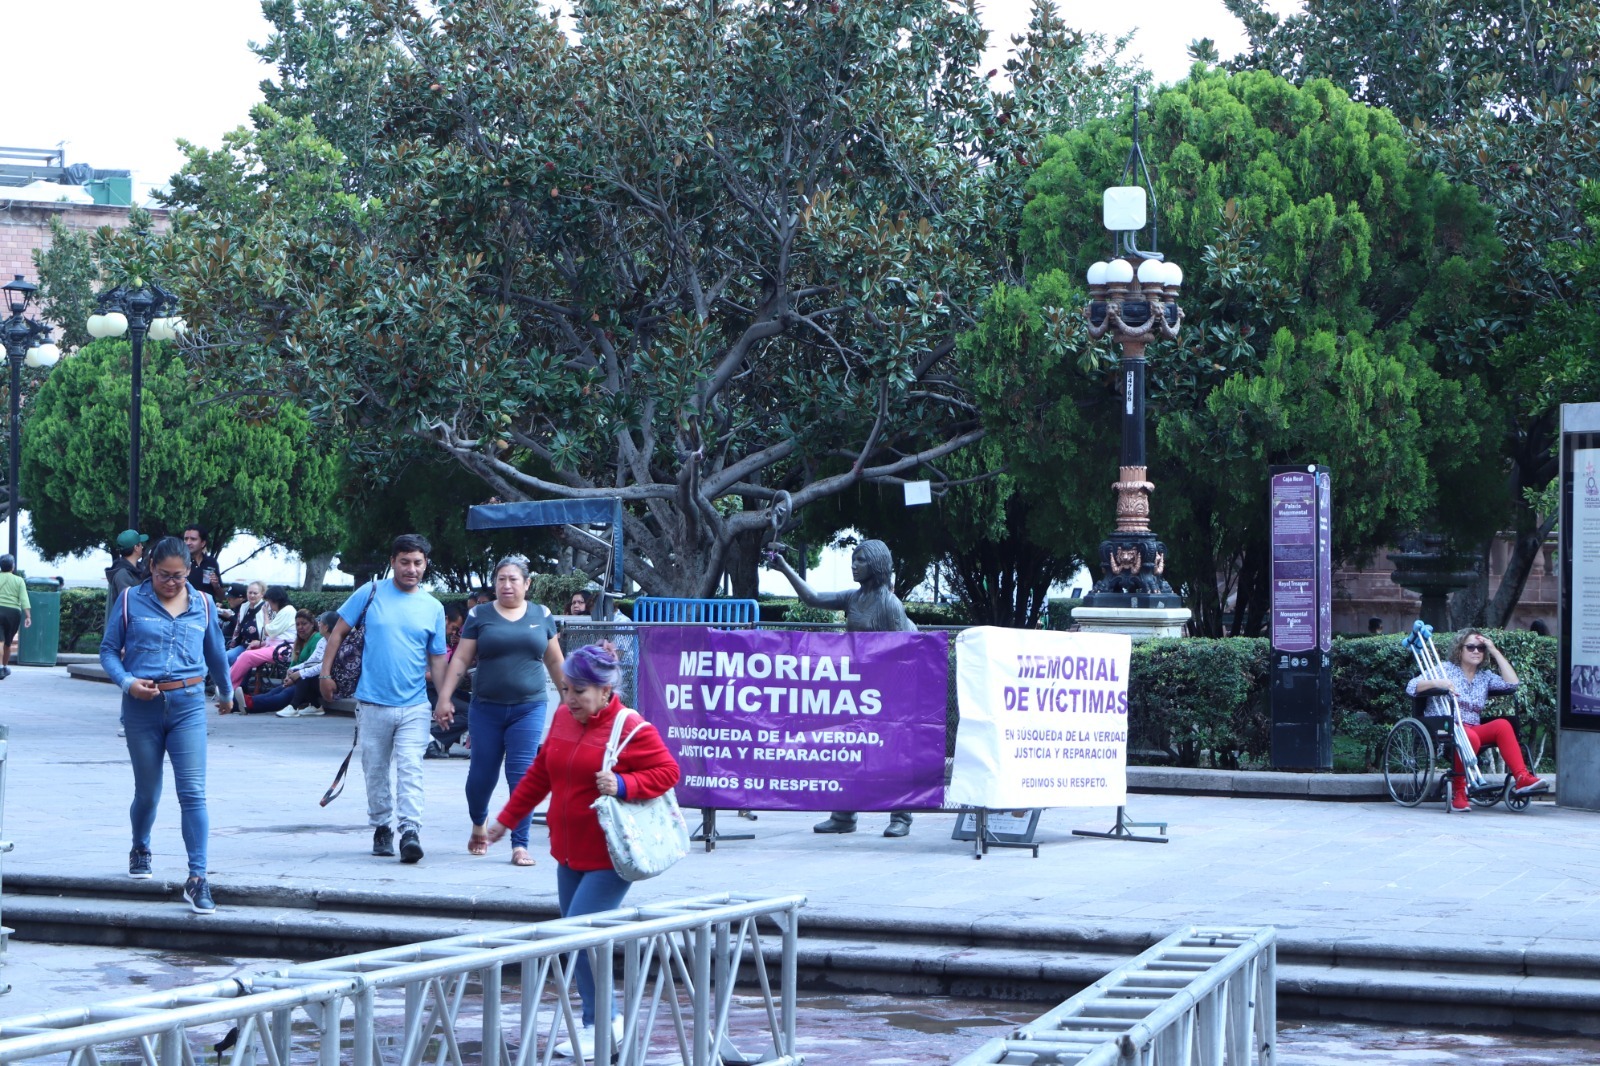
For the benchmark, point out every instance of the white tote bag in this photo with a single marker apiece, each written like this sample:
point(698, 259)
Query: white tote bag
point(644, 837)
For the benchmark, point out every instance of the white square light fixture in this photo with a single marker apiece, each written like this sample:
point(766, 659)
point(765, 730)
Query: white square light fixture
point(1125, 208)
point(918, 493)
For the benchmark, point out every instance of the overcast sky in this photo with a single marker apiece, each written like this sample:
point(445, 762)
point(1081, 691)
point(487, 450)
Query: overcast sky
point(121, 82)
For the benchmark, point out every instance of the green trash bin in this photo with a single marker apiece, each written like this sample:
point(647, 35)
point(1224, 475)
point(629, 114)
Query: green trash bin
point(37, 644)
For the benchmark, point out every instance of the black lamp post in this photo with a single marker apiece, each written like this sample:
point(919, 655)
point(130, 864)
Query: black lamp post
point(21, 336)
point(136, 308)
point(1134, 297)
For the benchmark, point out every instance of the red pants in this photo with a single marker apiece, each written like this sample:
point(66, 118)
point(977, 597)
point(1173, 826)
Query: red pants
point(1503, 735)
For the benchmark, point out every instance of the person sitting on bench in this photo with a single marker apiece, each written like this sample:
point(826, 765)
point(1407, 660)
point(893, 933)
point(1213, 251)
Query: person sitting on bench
point(1467, 674)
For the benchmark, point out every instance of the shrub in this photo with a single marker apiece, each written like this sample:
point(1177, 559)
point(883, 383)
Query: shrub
point(1188, 697)
point(83, 616)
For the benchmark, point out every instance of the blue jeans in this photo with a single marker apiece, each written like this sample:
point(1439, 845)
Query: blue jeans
point(171, 725)
point(506, 732)
point(235, 652)
point(586, 892)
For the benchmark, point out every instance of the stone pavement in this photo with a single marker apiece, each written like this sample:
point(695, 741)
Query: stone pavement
point(1356, 877)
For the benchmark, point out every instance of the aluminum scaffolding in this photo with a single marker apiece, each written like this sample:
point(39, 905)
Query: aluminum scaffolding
point(1201, 997)
point(420, 1003)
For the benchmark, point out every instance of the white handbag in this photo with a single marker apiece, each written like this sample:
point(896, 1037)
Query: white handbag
point(644, 837)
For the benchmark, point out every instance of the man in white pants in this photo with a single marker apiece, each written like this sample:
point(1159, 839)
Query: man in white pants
point(404, 644)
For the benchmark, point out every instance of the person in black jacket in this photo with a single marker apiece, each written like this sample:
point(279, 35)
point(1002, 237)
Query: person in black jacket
point(127, 569)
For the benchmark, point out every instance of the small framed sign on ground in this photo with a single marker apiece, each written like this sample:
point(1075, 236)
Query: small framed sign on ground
point(997, 829)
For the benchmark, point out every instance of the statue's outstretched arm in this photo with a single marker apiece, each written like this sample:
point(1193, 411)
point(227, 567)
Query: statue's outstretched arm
point(808, 596)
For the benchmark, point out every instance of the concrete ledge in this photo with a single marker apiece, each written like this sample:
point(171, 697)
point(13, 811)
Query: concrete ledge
point(90, 671)
point(1269, 784)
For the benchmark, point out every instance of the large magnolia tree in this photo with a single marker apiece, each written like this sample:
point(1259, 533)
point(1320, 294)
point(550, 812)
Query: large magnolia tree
point(688, 254)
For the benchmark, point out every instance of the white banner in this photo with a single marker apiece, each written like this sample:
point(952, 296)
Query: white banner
point(1044, 719)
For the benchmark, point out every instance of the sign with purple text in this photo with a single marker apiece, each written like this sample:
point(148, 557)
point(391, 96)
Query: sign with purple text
point(1324, 560)
point(1294, 561)
point(799, 721)
point(1583, 596)
point(1044, 719)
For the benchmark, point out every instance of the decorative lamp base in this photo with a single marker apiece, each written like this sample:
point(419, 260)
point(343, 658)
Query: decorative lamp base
point(1136, 622)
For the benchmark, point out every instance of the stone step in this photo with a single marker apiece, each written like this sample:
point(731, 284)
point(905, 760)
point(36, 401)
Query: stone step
point(1417, 982)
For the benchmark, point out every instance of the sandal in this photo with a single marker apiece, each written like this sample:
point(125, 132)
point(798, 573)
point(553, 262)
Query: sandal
point(521, 857)
point(477, 844)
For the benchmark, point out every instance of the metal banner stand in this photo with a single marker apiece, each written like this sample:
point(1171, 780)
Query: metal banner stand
point(1119, 831)
point(708, 830)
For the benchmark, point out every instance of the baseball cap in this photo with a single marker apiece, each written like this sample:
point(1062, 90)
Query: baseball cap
point(128, 539)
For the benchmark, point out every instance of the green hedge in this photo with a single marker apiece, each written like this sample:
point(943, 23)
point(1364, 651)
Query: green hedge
point(1189, 698)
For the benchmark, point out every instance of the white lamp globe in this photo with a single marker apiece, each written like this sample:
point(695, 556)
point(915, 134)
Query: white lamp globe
point(1119, 272)
point(96, 325)
point(161, 329)
point(43, 355)
point(178, 326)
point(1174, 275)
point(1097, 274)
point(1152, 272)
point(116, 324)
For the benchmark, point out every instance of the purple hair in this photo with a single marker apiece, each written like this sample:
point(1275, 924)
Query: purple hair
point(592, 665)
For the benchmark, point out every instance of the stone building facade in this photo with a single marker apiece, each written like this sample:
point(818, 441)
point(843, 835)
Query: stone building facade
point(1360, 594)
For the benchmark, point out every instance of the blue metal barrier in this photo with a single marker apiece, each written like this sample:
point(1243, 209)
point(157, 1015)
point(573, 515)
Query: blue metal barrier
point(695, 612)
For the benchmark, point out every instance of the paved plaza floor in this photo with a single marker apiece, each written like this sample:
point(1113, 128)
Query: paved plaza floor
point(1349, 872)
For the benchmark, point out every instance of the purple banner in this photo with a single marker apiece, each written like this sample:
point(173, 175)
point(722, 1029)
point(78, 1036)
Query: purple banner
point(798, 721)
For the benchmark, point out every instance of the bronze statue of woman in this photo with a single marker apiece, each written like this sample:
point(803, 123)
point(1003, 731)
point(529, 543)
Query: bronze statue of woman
point(872, 608)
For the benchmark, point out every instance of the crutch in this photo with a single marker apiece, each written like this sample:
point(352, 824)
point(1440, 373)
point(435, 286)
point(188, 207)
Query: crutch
point(1420, 643)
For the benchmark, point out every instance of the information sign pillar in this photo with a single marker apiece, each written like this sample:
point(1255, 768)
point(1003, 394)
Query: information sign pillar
point(1578, 669)
point(1301, 584)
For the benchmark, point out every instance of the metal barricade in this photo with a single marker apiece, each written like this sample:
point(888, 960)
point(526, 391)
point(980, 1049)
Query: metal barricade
point(680, 962)
point(1201, 997)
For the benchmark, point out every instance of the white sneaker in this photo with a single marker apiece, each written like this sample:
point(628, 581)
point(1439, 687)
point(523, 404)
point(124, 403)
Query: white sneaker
point(289, 712)
point(312, 712)
point(585, 1044)
point(586, 1039)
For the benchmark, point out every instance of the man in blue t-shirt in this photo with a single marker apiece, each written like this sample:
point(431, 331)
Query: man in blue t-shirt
point(404, 646)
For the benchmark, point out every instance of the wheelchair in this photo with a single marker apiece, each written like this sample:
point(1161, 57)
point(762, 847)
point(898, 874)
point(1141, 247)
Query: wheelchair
point(1417, 766)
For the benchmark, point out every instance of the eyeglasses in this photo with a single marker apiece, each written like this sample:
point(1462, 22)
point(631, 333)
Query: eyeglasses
point(169, 577)
point(1474, 647)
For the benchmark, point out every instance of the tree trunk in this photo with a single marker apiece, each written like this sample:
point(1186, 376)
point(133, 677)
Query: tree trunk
point(1497, 615)
point(743, 565)
point(316, 570)
point(1467, 605)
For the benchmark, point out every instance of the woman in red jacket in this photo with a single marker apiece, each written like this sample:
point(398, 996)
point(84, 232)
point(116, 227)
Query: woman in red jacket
point(568, 769)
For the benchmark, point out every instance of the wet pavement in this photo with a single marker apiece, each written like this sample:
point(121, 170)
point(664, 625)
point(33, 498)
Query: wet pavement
point(834, 1030)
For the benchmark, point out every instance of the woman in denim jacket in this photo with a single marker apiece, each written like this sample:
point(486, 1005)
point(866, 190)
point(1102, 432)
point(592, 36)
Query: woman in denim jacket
point(162, 639)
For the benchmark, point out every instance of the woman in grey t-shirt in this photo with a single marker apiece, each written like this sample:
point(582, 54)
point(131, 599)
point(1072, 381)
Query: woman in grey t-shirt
point(515, 647)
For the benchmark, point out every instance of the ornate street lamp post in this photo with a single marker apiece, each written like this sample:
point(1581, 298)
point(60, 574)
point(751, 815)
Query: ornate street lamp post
point(1134, 298)
point(21, 336)
point(138, 309)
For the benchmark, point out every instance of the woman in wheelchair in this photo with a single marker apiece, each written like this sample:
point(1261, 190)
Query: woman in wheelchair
point(1470, 676)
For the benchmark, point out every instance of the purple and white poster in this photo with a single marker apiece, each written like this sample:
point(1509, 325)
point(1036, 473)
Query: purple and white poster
point(800, 721)
point(1324, 560)
point(1294, 561)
